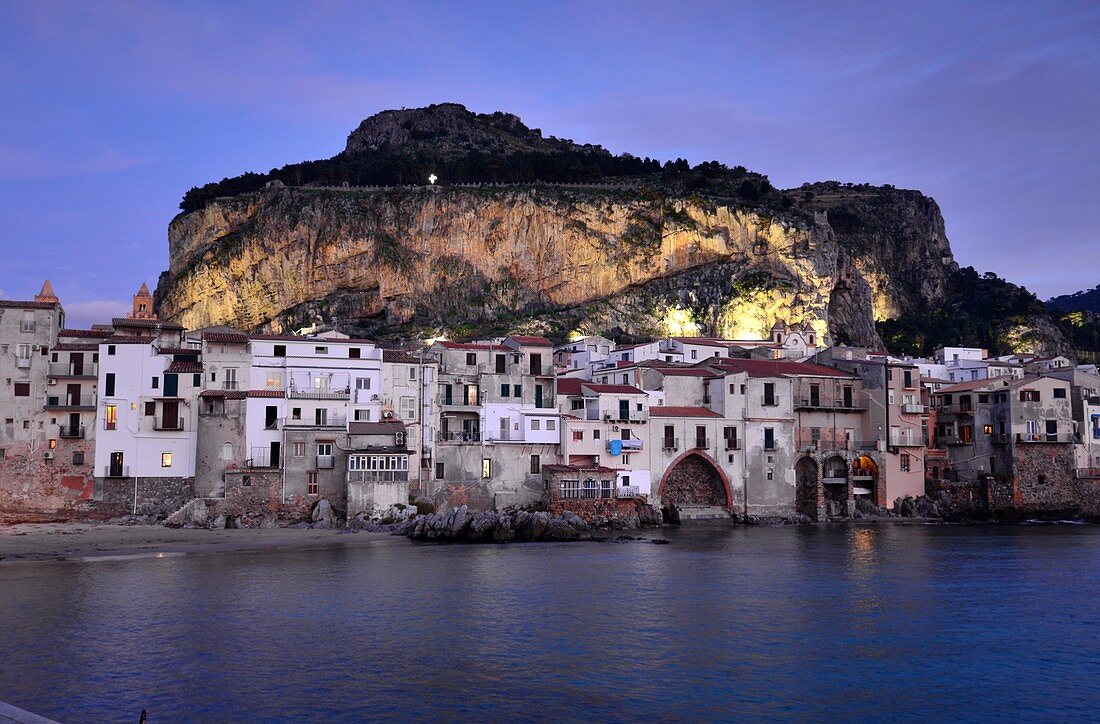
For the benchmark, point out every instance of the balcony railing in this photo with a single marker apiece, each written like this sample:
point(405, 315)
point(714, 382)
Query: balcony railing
point(71, 369)
point(230, 385)
point(22, 361)
point(461, 436)
point(70, 432)
point(701, 443)
point(769, 401)
point(906, 441)
point(1037, 437)
point(162, 425)
point(325, 462)
point(115, 471)
point(829, 403)
point(955, 440)
point(327, 421)
point(670, 443)
point(731, 443)
point(628, 491)
point(378, 476)
point(965, 409)
point(912, 408)
point(829, 442)
point(70, 401)
point(261, 458)
point(313, 393)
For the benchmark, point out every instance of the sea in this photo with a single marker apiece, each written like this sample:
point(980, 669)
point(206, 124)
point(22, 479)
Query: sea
point(724, 622)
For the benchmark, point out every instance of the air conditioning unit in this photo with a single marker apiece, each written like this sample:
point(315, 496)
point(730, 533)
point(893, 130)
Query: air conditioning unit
point(374, 398)
point(51, 381)
point(614, 428)
point(48, 455)
point(387, 414)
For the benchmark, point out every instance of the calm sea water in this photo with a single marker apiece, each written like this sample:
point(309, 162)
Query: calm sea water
point(725, 623)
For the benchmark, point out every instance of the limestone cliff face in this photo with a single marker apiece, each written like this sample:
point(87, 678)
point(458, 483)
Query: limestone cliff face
point(523, 257)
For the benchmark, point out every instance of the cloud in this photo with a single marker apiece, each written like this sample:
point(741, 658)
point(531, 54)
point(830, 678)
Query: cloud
point(80, 315)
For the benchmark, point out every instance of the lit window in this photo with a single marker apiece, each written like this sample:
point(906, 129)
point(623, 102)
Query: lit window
point(53, 443)
point(166, 459)
point(486, 468)
point(111, 419)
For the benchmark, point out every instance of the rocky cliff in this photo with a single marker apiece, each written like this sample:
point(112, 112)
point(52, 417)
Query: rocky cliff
point(707, 250)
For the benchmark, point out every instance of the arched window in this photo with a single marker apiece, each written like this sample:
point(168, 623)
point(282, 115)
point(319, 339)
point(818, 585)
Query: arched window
point(227, 451)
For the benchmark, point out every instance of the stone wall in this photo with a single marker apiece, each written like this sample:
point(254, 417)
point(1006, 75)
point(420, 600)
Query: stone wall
point(375, 498)
point(606, 512)
point(154, 496)
point(1044, 483)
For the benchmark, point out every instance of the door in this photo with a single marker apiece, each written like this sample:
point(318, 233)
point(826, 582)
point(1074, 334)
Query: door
point(170, 415)
point(624, 409)
point(76, 362)
point(504, 428)
point(116, 468)
point(171, 385)
point(271, 417)
point(815, 395)
point(274, 461)
point(74, 424)
point(847, 396)
point(1052, 431)
point(536, 364)
point(538, 395)
point(72, 394)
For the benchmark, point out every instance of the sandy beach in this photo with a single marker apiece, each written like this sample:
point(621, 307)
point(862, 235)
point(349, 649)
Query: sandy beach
point(102, 541)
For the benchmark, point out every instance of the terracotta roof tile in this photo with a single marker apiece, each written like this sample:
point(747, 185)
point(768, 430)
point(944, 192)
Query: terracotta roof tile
point(223, 394)
point(569, 385)
point(145, 323)
point(674, 411)
point(531, 341)
point(225, 337)
point(96, 333)
point(266, 393)
point(184, 367)
point(613, 389)
point(13, 304)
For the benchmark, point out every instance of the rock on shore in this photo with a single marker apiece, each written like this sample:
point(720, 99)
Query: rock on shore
point(460, 525)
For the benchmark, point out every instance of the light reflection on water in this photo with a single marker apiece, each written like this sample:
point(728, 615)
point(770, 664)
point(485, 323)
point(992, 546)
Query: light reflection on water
point(727, 622)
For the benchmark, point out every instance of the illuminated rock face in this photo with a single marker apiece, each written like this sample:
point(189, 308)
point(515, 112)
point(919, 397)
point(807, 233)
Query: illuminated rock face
point(546, 258)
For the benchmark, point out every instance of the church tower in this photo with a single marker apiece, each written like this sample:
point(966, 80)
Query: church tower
point(47, 295)
point(143, 304)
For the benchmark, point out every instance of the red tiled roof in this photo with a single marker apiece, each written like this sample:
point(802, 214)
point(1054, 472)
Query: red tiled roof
point(614, 389)
point(179, 350)
point(397, 356)
point(226, 337)
point(144, 323)
point(569, 385)
point(555, 468)
point(223, 394)
point(685, 372)
point(13, 304)
point(779, 368)
point(531, 341)
point(125, 339)
point(98, 333)
point(266, 393)
point(184, 366)
point(974, 385)
point(674, 411)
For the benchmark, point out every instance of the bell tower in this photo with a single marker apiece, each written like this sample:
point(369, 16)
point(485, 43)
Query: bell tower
point(143, 304)
point(47, 295)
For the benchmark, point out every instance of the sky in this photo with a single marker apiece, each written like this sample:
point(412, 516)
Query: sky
point(112, 110)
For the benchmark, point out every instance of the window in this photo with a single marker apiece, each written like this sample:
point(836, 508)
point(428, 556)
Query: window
point(505, 390)
point(166, 459)
point(733, 388)
point(551, 425)
point(150, 409)
point(626, 379)
point(595, 434)
point(196, 380)
point(535, 466)
point(471, 359)
point(983, 398)
point(361, 415)
point(279, 350)
point(695, 354)
point(571, 489)
point(353, 353)
point(155, 383)
point(296, 413)
point(517, 391)
point(578, 436)
point(486, 468)
point(311, 483)
point(22, 389)
point(536, 424)
point(320, 350)
point(439, 471)
point(1029, 395)
point(408, 408)
point(769, 393)
point(299, 450)
point(227, 451)
point(904, 462)
point(412, 373)
point(501, 361)
point(78, 457)
point(111, 350)
point(769, 438)
point(324, 449)
point(1059, 393)
point(987, 429)
point(576, 404)
point(110, 419)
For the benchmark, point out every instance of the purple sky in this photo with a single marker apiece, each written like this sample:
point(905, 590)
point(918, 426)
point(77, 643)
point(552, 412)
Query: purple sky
point(112, 110)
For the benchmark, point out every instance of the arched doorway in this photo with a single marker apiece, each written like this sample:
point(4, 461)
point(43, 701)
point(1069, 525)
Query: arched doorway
point(865, 479)
point(694, 480)
point(807, 491)
point(836, 486)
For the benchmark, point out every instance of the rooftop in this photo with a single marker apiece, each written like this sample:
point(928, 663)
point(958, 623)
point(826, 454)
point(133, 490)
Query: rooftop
point(675, 411)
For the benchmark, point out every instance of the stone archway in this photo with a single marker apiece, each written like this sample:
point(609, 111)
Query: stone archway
point(865, 480)
point(807, 487)
point(694, 479)
point(836, 486)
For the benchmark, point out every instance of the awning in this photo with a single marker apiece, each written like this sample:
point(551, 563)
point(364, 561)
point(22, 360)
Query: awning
point(861, 491)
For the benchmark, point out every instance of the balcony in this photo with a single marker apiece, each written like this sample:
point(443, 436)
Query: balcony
point(955, 440)
point(71, 369)
point(70, 432)
point(965, 409)
point(461, 436)
point(628, 491)
point(116, 471)
point(911, 408)
point(1087, 473)
point(701, 443)
point(669, 443)
point(633, 443)
point(230, 385)
point(23, 362)
point(826, 403)
point(731, 444)
point(1041, 437)
point(325, 462)
point(316, 393)
point(326, 421)
point(162, 425)
point(378, 476)
point(769, 401)
point(905, 441)
point(70, 401)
